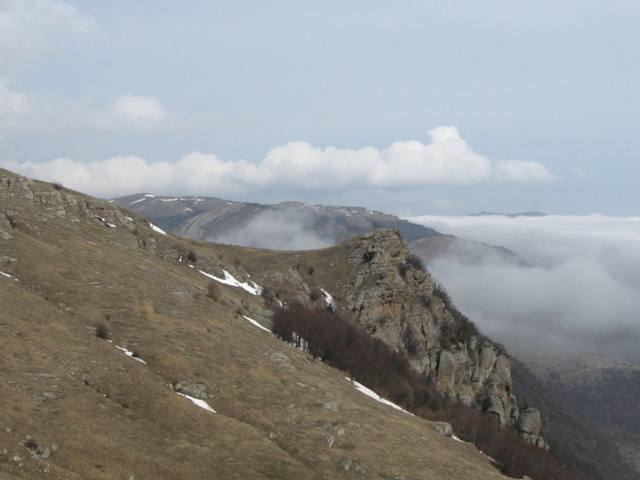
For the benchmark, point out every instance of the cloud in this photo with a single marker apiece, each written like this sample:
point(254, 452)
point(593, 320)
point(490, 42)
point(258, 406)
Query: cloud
point(28, 28)
point(521, 171)
point(579, 294)
point(277, 230)
point(14, 106)
point(132, 111)
point(296, 166)
point(21, 112)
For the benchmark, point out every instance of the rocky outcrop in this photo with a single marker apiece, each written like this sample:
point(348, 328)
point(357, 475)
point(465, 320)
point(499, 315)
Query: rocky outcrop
point(396, 301)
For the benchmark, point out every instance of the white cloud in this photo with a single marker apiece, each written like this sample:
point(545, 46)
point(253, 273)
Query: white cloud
point(446, 160)
point(132, 111)
point(579, 292)
point(521, 171)
point(22, 112)
point(28, 27)
point(14, 106)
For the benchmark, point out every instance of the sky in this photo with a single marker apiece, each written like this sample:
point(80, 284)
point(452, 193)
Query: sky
point(410, 107)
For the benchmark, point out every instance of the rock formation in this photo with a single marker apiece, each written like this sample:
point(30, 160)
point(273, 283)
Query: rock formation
point(396, 301)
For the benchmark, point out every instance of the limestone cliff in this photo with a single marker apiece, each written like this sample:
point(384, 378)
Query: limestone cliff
point(378, 285)
point(397, 301)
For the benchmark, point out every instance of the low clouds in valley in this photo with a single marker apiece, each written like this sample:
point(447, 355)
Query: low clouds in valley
point(277, 230)
point(579, 289)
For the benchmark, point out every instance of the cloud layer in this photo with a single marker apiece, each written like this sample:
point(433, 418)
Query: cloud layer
point(28, 26)
point(298, 166)
point(277, 230)
point(581, 292)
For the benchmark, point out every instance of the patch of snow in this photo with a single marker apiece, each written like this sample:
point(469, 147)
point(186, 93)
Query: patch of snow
point(104, 220)
point(198, 402)
point(457, 439)
point(148, 195)
point(256, 324)
point(188, 209)
point(157, 229)
point(138, 201)
point(129, 354)
point(168, 199)
point(328, 299)
point(253, 288)
point(6, 275)
point(370, 393)
point(191, 266)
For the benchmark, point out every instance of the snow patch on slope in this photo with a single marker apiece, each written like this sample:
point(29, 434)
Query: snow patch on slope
point(328, 299)
point(253, 288)
point(130, 354)
point(200, 403)
point(157, 229)
point(6, 275)
point(371, 394)
point(256, 324)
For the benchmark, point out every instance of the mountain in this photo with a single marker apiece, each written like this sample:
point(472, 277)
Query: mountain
point(602, 392)
point(571, 435)
point(132, 353)
point(296, 226)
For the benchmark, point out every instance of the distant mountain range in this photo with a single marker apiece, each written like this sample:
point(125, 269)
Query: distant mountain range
point(511, 215)
point(296, 225)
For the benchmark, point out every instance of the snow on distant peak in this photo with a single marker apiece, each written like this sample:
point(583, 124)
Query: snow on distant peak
point(157, 229)
point(371, 394)
point(200, 403)
point(256, 324)
point(130, 354)
point(328, 299)
point(253, 288)
point(138, 201)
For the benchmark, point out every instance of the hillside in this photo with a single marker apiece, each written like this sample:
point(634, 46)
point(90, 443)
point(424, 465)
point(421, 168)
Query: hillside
point(77, 406)
point(587, 383)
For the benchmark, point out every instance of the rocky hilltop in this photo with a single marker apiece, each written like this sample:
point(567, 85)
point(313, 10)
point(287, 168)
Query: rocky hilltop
point(384, 289)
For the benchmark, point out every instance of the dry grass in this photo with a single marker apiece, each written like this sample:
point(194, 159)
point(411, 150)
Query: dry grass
point(113, 417)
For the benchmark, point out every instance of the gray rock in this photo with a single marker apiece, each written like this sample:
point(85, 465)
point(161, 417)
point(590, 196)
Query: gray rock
point(443, 428)
point(529, 421)
point(282, 361)
point(195, 390)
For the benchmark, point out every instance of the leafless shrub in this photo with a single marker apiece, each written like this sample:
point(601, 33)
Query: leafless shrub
point(372, 362)
point(213, 291)
point(102, 331)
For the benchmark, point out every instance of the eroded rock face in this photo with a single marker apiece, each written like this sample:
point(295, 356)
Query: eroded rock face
point(398, 304)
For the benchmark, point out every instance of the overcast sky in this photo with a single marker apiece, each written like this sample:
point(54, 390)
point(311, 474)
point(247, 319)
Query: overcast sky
point(410, 107)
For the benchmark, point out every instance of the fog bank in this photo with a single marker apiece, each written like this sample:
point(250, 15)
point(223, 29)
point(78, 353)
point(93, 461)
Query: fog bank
point(578, 292)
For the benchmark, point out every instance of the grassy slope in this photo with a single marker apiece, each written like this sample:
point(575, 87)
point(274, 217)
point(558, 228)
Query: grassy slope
point(114, 418)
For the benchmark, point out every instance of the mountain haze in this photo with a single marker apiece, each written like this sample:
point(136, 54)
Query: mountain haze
point(295, 225)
